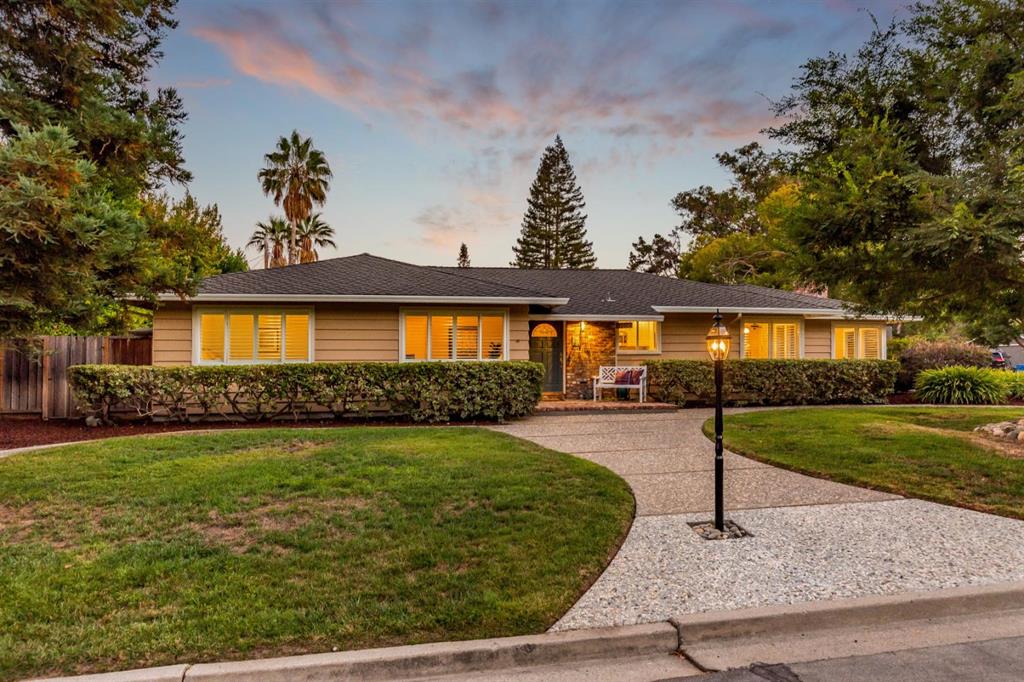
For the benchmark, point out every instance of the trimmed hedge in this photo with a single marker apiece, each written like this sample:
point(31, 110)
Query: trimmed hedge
point(962, 386)
point(427, 391)
point(774, 382)
point(935, 354)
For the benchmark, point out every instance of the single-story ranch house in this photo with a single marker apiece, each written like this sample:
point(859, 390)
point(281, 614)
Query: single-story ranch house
point(367, 308)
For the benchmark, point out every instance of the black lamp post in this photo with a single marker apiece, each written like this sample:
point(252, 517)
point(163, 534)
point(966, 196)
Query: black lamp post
point(718, 348)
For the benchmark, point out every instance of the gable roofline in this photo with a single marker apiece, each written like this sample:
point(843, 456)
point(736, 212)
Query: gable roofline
point(817, 313)
point(364, 298)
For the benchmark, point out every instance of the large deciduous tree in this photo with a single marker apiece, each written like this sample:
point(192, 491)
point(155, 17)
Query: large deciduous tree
point(732, 235)
point(298, 178)
point(912, 167)
point(554, 233)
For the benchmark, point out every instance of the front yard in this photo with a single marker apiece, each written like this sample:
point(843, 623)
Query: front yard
point(930, 453)
point(145, 551)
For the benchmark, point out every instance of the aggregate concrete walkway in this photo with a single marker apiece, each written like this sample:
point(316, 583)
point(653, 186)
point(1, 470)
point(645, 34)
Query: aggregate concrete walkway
point(812, 539)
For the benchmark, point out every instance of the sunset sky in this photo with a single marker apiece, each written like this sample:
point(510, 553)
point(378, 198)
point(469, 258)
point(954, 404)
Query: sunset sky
point(433, 114)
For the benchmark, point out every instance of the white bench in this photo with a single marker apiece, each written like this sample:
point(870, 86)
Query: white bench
point(612, 377)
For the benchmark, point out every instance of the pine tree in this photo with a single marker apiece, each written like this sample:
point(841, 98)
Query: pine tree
point(463, 256)
point(554, 225)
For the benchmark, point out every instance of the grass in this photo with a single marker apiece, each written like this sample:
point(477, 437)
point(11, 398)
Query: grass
point(929, 453)
point(146, 551)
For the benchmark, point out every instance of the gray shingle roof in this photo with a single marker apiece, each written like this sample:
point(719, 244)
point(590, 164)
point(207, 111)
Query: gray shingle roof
point(355, 276)
point(624, 292)
point(589, 292)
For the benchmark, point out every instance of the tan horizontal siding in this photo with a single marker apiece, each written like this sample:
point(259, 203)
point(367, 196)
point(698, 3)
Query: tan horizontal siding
point(817, 339)
point(683, 336)
point(519, 333)
point(356, 333)
point(172, 335)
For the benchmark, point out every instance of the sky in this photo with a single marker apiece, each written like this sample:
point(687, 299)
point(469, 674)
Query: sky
point(433, 115)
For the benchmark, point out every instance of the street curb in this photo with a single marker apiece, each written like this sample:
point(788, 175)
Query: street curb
point(841, 613)
point(421, 660)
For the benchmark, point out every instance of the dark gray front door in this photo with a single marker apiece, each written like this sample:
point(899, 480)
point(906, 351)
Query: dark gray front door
point(546, 348)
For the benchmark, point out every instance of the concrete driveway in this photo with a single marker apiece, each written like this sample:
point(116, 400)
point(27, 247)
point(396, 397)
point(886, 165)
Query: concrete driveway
point(812, 539)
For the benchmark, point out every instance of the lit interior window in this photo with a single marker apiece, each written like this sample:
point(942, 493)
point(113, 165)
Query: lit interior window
point(441, 337)
point(416, 337)
point(845, 340)
point(254, 336)
point(269, 337)
point(492, 333)
point(296, 346)
point(211, 337)
point(241, 334)
point(785, 341)
point(468, 337)
point(755, 340)
point(870, 343)
point(638, 335)
point(453, 336)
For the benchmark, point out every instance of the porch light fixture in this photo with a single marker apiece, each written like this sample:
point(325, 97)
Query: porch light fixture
point(718, 343)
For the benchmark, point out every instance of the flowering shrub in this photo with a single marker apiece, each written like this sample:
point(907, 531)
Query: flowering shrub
point(424, 391)
point(774, 382)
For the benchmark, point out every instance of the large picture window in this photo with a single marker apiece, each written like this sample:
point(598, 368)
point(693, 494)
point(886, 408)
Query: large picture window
point(453, 335)
point(253, 336)
point(638, 336)
point(861, 343)
point(775, 340)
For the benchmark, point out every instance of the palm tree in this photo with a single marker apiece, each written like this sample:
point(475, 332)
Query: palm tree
point(298, 176)
point(314, 233)
point(269, 238)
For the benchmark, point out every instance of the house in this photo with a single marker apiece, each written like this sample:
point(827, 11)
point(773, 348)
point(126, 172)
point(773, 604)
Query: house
point(367, 308)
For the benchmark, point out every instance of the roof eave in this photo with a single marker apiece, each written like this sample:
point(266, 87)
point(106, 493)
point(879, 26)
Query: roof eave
point(350, 298)
point(596, 317)
point(818, 313)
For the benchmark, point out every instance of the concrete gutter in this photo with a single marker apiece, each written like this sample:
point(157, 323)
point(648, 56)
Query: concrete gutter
point(709, 641)
point(849, 613)
point(423, 660)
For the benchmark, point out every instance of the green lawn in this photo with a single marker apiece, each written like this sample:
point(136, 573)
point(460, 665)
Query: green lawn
point(926, 452)
point(146, 551)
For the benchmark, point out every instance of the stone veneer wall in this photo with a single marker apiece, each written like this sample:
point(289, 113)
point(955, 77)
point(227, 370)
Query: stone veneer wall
point(585, 352)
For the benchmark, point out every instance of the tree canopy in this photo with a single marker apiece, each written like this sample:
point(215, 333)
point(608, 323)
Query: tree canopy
point(84, 147)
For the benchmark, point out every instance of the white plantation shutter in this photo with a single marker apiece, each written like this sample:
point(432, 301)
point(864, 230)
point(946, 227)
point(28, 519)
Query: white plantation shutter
point(846, 338)
point(785, 341)
point(870, 343)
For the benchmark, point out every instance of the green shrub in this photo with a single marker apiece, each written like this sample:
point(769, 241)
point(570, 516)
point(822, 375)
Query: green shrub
point(428, 391)
point(935, 354)
point(774, 382)
point(961, 386)
point(1013, 382)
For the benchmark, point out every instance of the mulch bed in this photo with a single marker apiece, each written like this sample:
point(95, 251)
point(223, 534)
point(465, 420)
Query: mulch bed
point(20, 433)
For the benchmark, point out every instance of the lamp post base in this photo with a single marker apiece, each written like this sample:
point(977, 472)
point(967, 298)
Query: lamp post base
point(730, 530)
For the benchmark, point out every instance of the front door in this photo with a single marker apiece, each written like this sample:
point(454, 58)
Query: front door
point(546, 348)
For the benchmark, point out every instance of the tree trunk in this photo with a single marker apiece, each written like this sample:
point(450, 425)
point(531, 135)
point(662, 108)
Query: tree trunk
point(292, 259)
point(266, 253)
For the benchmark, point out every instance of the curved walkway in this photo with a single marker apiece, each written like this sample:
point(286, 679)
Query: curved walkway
point(812, 539)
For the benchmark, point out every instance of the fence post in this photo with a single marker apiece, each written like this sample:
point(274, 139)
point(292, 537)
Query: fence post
point(44, 392)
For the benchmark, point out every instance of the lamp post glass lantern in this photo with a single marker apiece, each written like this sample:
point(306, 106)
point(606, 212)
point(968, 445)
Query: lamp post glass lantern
point(718, 343)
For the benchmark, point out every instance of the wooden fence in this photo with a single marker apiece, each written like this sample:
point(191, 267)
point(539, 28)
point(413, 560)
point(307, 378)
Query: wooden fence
point(33, 373)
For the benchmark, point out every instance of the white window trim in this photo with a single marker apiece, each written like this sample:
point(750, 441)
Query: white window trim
point(771, 336)
point(198, 311)
point(626, 351)
point(883, 340)
point(454, 313)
